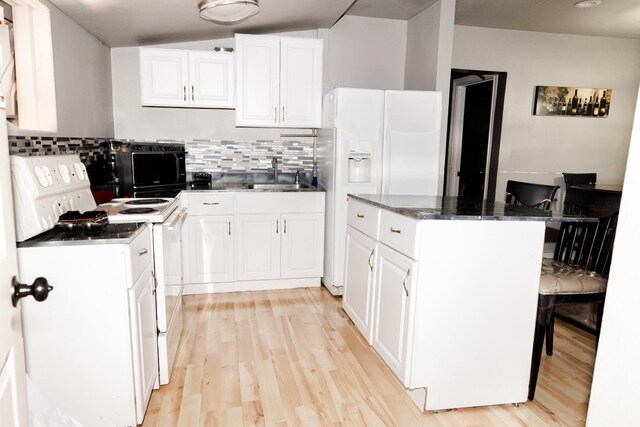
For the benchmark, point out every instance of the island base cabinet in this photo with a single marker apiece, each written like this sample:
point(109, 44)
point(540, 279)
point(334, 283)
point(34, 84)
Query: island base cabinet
point(358, 297)
point(209, 253)
point(394, 288)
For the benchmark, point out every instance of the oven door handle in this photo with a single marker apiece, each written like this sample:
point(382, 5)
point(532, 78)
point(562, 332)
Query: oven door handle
point(182, 216)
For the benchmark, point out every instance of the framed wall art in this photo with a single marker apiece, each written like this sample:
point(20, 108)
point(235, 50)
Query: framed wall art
point(572, 101)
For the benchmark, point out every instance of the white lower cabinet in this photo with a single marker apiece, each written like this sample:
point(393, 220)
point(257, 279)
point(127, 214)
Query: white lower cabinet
point(211, 251)
point(358, 297)
point(394, 285)
point(435, 313)
point(302, 245)
point(253, 240)
point(258, 253)
point(92, 348)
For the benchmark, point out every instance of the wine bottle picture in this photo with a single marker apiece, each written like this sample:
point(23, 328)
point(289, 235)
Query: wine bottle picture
point(560, 101)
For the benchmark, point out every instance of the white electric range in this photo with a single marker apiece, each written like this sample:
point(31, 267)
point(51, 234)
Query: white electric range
point(167, 220)
point(91, 347)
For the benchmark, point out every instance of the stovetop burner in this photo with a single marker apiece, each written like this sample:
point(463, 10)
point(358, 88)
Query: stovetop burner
point(133, 211)
point(147, 202)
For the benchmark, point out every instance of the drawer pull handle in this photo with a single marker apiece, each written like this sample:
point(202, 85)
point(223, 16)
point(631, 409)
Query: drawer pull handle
point(404, 282)
point(360, 215)
point(211, 203)
point(143, 251)
point(285, 226)
point(277, 226)
point(393, 230)
point(229, 228)
point(371, 256)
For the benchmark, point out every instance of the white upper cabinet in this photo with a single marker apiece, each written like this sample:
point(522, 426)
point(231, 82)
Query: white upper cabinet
point(211, 79)
point(279, 81)
point(180, 78)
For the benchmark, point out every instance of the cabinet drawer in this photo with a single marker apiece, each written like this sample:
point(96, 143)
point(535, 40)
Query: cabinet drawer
point(399, 232)
point(363, 217)
point(141, 254)
point(211, 204)
point(278, 202)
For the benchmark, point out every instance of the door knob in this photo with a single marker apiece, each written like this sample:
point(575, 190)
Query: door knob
point(39, 290)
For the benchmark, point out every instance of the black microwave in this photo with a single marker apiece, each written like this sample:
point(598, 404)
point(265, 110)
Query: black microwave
point(147, 168)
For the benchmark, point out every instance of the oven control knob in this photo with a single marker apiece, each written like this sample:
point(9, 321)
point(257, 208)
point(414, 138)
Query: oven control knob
point(47, 174)
point(64, 172)
point(79, 171)
point(39, 290)
point(42, 179)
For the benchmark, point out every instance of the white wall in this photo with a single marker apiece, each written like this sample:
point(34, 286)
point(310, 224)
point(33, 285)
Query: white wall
point(614, 392)
point(352, 56)
point(428, 59)
point(82, 68)
point(367, 53)
point(421, 69)
point(539, 149)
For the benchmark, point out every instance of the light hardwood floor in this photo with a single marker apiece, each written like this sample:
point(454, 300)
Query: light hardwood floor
point(293, 358)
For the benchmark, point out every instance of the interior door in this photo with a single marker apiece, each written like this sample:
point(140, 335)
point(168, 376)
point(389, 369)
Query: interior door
point(13, 398)
point(471, 134)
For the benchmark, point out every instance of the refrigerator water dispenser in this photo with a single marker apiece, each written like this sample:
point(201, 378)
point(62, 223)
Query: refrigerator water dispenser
point(359, 169)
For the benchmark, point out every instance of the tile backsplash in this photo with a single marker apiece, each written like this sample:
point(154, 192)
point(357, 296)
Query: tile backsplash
point(246, 156)
point(202, 155)
point(90, 150)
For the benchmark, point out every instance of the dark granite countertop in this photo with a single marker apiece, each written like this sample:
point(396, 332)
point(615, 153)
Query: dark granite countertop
point(460, 208)
point(111, 234)
point(244, 187)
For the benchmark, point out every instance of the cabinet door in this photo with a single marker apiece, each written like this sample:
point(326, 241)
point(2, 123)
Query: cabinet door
point(358, 297)
point(258, 73)
point(211, 80)
point(300, 82)
point(302, 245)
point(211, 249)
point(144, 333)
point(395, 284)
point(258, 252)
point(164, 77)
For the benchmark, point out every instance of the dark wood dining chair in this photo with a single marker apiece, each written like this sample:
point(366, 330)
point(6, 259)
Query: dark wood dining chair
point(528, 194)
point(576, 274)
point(571, 179)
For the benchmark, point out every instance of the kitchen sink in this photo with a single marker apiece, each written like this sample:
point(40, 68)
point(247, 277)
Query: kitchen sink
point(277, 187)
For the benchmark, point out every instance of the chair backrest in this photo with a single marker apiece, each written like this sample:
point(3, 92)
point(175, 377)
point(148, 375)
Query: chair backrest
point(571, 179)
point(533, 195)
point(587, 245)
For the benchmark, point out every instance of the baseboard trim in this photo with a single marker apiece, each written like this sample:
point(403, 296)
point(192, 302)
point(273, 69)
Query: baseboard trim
point(252, 285)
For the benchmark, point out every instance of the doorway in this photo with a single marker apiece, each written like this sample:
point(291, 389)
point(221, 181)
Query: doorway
point(473, 143)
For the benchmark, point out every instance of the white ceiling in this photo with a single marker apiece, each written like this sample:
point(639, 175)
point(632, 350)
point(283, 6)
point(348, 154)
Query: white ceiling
point(133, 22)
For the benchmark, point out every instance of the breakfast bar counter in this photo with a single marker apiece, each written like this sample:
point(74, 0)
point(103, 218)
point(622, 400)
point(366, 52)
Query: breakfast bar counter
point(445, 290)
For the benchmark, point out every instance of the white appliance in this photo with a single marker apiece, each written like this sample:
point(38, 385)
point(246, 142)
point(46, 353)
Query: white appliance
point(167, 221)
point(44, 188)
point(91, 347)
point(374, 141)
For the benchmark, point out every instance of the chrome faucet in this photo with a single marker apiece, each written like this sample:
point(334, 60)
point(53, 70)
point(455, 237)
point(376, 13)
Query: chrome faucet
point(274, 165)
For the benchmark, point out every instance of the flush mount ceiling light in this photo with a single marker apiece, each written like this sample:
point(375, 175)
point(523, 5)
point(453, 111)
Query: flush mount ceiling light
point(228, 11)
point(583, 4)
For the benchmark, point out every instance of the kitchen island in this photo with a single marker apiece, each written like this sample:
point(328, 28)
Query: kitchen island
point(445, 290)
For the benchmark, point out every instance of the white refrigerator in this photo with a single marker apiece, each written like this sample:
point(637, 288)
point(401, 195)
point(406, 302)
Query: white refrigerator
point(374, 141)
